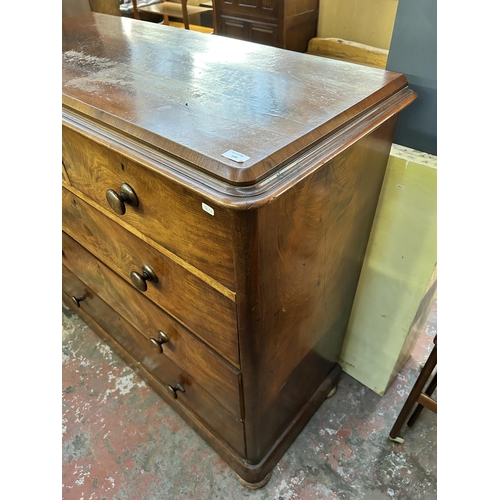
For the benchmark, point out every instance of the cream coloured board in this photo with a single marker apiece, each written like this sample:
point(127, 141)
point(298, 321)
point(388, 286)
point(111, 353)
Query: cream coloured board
point(398, 266)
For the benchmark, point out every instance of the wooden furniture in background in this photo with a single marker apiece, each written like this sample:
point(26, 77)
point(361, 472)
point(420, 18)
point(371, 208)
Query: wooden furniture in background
point(175, 10)
point(214, 233)
point(288, 24)
point(344, 50)
point(422, 398)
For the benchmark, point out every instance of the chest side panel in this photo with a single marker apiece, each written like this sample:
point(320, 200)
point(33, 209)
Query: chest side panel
point(302, 262)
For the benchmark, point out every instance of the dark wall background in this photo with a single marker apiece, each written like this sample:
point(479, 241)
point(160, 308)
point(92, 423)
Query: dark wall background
point(413, 52)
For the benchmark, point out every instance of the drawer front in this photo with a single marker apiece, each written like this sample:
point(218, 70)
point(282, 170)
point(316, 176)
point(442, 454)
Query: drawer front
point(165, 371)
point(169, 214)
point(264, 33)
point(253, 31)
point(205, 311)
point(263, 9)
point(212, 372)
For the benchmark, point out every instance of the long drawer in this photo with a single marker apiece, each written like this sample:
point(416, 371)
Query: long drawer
point(165, 372)
point(204, 310)
point(169, 214)
point(215, 374)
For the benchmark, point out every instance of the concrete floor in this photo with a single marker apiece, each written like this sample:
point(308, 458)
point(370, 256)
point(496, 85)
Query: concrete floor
point(121, 441)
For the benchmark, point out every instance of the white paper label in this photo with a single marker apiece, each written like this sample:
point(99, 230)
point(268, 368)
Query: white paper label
point(235, 156)
point(207, 209)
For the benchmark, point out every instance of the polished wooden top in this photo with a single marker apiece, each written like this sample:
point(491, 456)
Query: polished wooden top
point(198, 96)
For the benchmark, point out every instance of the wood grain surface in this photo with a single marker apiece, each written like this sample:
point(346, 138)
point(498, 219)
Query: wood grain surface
point(65, 177)
point(171, 215)
point(300, 260)
point(345, 50)
point(199, 96)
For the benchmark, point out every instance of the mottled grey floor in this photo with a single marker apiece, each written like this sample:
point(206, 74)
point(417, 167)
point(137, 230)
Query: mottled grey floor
point(121, 441)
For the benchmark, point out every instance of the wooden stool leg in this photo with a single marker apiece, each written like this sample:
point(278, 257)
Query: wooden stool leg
point(414, 394)
point(418, 409)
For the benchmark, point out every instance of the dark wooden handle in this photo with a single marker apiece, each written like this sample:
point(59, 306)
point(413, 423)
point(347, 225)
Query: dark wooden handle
point(173, 390)
point(139, 280)
point(156, 344)
point(117, 201)
point(77, 300)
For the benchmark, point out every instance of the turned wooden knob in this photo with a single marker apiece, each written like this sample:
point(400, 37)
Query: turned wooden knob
point(77, 300)
point(139, 280)
point(117, 201)
point(156, 344)
point(173, 390)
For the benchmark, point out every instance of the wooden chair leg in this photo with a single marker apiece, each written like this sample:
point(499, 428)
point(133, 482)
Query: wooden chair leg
point(185, 18)
point(414, 394)
point(418, 410)
point(136, 10)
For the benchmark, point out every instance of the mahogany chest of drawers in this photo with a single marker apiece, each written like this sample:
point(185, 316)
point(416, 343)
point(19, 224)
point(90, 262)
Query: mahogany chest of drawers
point(288, 24)
point(218, 197)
